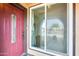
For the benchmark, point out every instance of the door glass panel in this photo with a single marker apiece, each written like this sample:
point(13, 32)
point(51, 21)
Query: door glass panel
point(13, 40)
point(38, 27)
point(56, 28)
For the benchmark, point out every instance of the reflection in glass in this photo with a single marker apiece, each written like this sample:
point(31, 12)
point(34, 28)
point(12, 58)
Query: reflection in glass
point(13, 40)
point(38, 27)
point(57, 28)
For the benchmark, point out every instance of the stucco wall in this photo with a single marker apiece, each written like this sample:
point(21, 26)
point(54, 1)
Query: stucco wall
point(77, 29)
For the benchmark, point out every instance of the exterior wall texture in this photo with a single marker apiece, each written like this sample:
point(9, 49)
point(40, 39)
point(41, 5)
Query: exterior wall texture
point(77, 29)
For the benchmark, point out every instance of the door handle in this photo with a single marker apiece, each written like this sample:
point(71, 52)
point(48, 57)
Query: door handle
point(23, 35)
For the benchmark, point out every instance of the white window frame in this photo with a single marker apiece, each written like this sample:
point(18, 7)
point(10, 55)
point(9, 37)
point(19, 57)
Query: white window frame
point(69, 31)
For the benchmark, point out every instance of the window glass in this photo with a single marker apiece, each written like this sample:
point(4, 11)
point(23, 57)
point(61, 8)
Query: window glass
point(56, 28)
point(13, 27)
point(38, 27)
point(49, 30)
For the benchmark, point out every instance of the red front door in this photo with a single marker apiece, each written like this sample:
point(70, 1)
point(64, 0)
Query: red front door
point(17, 47)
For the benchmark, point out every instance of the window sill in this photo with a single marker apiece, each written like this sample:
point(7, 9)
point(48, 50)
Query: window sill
point(46, 52)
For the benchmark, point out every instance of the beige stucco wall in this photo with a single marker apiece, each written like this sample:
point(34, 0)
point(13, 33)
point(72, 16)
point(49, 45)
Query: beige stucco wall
point(77, 29)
